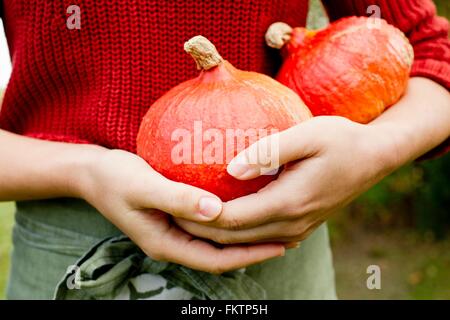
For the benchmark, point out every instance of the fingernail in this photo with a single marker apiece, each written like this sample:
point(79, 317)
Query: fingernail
point(210, 207)
point(238, 166)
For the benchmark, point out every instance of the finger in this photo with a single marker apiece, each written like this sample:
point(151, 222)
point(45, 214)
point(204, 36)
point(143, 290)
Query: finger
point(269, 153)
point(285, 231)
point(182, 200)
point(290, 241)
point(197, 254)
point(271, 204)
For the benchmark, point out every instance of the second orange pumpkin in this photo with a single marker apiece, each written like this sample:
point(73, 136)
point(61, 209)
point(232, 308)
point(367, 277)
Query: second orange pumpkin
point(355, 68)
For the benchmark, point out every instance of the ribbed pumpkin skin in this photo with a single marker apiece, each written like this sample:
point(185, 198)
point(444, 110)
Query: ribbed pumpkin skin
point(348, 69)
point(222, 98)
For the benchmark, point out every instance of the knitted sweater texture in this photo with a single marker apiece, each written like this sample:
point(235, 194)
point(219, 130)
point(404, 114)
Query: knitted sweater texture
point(94, 84)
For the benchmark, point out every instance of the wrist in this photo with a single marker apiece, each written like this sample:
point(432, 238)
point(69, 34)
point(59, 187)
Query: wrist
point(388, 144)
point(417, 123)
point(80, 177)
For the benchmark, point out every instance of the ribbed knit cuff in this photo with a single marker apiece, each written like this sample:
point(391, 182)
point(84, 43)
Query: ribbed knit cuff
point(438, 71)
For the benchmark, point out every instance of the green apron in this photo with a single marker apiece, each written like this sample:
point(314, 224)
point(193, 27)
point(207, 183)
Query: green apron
point(50, 237)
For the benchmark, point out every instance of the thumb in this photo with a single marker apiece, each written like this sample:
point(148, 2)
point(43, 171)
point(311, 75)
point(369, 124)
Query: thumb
point(266, 155)
point(185, 201)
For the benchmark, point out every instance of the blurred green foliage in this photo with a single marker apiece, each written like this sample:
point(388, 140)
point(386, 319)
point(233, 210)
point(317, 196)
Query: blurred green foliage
point(443, 7)
point(417, 195)
point(432, 204)
point(6, 223)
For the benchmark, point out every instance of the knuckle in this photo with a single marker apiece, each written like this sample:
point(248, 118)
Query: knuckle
point(217, 268)
point(299, 204)
point(221, 239)
point(296, 231)
point(293, 231)
point(305, 199)
point(157, 255)
point(185, 196)
point(233, 223)
point(218, 271)
point(292, 205)
point(304, 232)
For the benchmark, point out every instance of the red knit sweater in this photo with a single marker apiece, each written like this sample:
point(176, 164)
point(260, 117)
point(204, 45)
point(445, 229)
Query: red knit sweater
point(94, 85)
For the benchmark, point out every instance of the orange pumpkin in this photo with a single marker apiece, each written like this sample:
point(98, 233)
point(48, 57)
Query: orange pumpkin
point(355, 68)
point(192, 132)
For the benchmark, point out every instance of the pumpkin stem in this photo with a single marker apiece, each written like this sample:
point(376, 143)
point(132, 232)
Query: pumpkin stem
point(204, 52)
point(278, 34)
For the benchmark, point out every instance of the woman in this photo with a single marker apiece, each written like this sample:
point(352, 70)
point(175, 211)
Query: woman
point(72, 110)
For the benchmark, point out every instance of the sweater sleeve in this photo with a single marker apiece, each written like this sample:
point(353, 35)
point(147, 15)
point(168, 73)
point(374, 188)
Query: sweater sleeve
point(427, 33)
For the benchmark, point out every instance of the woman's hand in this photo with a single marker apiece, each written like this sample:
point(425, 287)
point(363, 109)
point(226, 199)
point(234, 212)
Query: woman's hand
point(128, 192)
point(329, 161)
point(134, 197)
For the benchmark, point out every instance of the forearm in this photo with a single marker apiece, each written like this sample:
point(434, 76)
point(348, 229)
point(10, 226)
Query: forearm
point(419, 122)
point(36, 169)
